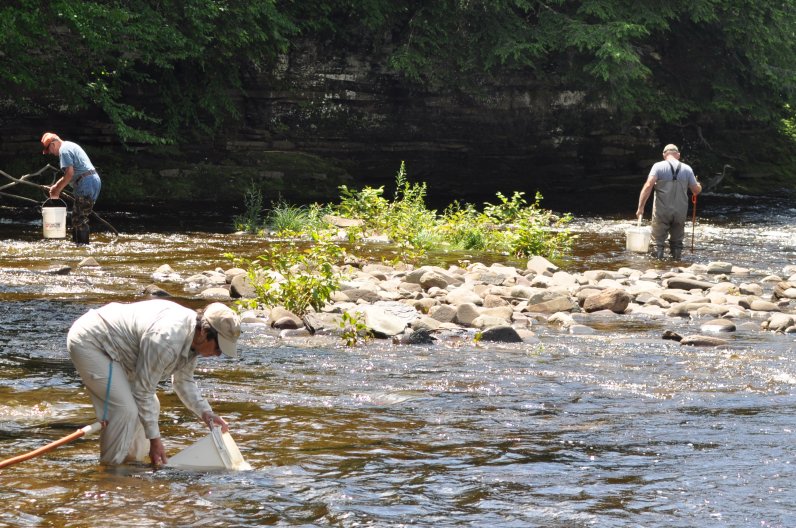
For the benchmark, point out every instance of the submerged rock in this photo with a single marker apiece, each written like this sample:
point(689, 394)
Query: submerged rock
point(702, 341)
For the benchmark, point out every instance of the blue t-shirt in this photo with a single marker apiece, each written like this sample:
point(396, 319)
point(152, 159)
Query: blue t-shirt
point(73, 155)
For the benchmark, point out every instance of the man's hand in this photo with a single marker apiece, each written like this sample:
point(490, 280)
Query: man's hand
point(211, 419)
point(54, 193)
point(156, 452)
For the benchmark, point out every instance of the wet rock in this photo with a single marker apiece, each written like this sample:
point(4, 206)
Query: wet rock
point(763, 306)
point(356, 294)
point(493, 301)
point(232, 273)
point(215, 294)
point(778, 322)
point(425, 323)
point(88, 262)
point(156, 291)
point(383, 323)
point(287, 323)
point(431, 279)
point(785, 290)
point(322, 322)
point(501, 334)
point(719, 267)
point(279, 314)
point(418, 337)
point(58, 270)
point(559, 304)
point(466, 314)
point(487, 321)
point(541, 266)
point(672, 336)
point(678, 283)
point(612, 299)
point(750, 289)
point(718, 326)
point(165, 273)
point(240, 286)
point(444, 313)
point(463, 295)
point(702, 341)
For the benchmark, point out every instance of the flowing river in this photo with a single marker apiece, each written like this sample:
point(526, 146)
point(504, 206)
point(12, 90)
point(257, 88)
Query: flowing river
point(616, 429)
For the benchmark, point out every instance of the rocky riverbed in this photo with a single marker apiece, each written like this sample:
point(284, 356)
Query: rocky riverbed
point(500, 303)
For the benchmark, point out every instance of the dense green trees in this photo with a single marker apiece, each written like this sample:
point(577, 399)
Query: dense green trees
point(696, 61)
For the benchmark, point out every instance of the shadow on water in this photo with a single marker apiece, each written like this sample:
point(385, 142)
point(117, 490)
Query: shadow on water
point(617, 429)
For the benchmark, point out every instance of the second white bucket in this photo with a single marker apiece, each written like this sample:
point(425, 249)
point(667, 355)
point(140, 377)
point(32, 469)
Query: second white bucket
point(53, 219)
point(638, 238)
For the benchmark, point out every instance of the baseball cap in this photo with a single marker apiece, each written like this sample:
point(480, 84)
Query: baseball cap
point(48, 138)
point(227, 324)
point(670, 148)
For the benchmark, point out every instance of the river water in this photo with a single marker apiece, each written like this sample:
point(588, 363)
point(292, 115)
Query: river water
point(618, 429)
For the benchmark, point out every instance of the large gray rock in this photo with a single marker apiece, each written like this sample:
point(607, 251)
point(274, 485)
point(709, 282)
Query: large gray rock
point(444, 313)
point(356, 294)
point(215, 294)
point(501, 334)
point(779, 322)
point(281, 315)
point(383, 323)
point(466, 314)
point(718, 326)
point(541, 266)
point(612, 299)
point(241, 287)
point(702, 340)
point(678, 283)
point(432, 279)
point(559, 304)
point(463, 295)
point(785, 290)
point(763, 306)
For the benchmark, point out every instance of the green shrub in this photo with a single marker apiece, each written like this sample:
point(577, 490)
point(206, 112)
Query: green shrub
point(294, 277)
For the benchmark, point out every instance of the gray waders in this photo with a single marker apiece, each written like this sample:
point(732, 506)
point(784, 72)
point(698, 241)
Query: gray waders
point(669, 213)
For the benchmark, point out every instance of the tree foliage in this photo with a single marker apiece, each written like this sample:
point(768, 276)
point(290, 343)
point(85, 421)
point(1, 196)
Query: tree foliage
point(159, 68)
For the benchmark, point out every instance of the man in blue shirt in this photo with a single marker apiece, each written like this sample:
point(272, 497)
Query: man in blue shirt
point(80, 172)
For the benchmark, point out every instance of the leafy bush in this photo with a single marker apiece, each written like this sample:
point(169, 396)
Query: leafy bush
point(294, 277)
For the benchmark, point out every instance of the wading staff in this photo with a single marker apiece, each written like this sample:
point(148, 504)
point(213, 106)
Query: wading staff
point(46, 191)
point(89, 429)
point(693, 220)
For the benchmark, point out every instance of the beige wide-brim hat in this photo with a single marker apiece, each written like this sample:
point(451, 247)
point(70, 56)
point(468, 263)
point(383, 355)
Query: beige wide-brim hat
point(227, 324)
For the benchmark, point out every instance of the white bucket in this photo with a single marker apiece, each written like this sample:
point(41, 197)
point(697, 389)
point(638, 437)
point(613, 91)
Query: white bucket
point(638, 238)
point(53, 219)
point(213, 452)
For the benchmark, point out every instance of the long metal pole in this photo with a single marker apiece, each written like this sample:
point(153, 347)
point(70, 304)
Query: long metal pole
point(693, 221)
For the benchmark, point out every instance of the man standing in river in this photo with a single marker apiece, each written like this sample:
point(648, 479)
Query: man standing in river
point(671, 180)
point(123, 351)
point(80, 172)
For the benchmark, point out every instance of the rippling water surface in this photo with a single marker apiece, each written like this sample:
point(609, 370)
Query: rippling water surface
point(617, 429)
